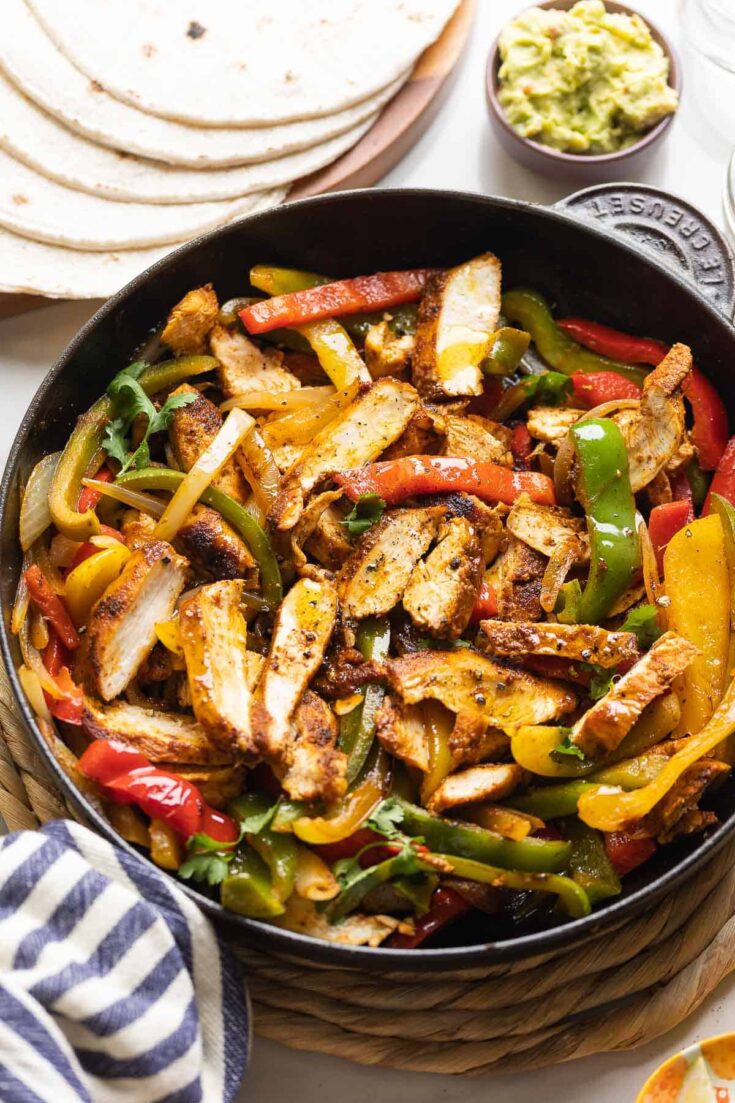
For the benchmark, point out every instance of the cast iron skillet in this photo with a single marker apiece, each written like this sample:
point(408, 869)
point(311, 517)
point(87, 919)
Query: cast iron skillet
point(581, 268)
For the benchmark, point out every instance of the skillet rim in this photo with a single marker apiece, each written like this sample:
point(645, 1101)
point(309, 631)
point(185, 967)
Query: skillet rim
point(263, 935)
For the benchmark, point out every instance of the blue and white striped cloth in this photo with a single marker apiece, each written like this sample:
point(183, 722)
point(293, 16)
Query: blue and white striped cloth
point(113, 986)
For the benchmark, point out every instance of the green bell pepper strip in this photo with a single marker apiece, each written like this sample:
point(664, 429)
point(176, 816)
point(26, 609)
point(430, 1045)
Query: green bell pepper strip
point(85, 443)
point(589, 864)
point(508, 348)
point(163, 478)
point(255, 813)
point(548, 388)
point(405, 864)
point(572, 896)
point(550, 802)
point(247, 888)
point(357, 728)
point(288, 812)
point(467, 840)
point(603, 487)
point(282, 281)
point(530, 311)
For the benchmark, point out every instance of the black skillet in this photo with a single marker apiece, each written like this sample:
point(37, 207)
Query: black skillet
point(664, 271)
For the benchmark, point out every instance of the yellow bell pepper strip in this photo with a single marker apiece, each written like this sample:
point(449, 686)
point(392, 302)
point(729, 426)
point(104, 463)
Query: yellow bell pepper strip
point(603, 487)
point(83, 447)
point(336, 352)
point(129, 822)
point(380, 291)
point(439, 724)
point(698, 589)
point(167, 850)
point(531, 312)
point(247, 888)
point(572, 896)
point(357, 728)
point(87, 582)
point(469, 841)
point(549, 802)
point(163, 478)
point(349, 813)
point(720, 507)
point(615, 810)
point(589, 864)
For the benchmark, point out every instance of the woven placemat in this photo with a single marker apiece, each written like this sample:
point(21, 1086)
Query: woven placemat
point(617, 991)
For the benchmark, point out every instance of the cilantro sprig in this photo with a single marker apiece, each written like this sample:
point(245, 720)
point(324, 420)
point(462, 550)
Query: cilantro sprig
point(367, 511)
point(567, 749)
point(129, 402)
point(643, 622)
point(208, 860)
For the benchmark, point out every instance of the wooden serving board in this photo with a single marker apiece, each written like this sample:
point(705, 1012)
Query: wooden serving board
point(400, 125)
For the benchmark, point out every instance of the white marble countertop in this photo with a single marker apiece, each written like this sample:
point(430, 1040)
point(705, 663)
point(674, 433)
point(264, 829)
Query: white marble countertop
point(458, 151)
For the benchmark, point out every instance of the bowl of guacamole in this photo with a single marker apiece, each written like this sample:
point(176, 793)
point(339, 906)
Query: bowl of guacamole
point(581, 83)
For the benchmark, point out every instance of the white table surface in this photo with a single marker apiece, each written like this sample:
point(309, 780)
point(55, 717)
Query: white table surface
point(458, 151)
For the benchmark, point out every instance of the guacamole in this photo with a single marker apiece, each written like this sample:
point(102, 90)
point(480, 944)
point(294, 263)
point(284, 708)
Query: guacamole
point(584, 80)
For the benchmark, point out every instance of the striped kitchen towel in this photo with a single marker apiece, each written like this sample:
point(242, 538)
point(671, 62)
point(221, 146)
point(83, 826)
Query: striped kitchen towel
point(113, 985)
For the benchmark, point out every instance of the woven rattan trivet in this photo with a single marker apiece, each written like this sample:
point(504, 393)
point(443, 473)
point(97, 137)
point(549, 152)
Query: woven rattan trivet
point(617, 991)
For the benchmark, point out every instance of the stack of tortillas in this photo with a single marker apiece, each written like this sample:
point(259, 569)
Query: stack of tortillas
point(127, 126)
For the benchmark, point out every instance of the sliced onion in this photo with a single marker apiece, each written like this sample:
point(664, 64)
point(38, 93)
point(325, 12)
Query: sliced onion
point(260, 469)
point(565, 455)
point(561, 561)
point(301, 426)
point(35, 515)
point(136, 499)
point(34, 692)
point(651, 579)
point(22, 598)
point(32, 659)
point(39, 630)
point(103, 541)
point(229, 438)
point(62, 550)
point(282, 400)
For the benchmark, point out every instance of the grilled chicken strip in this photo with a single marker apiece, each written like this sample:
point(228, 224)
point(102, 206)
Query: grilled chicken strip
point(423, 436)
point(213, 546)
point(671, 812)
point(356, 436)
point(655, 431)
point(401, 729)
point(457, 316)
point(516, 576)
point(316, 770)
point(478, 784)
point(160, 736)
point(244, 367)
point(121, 633)
point(467, 682)
point(374, 578)
point(603, 727)
point(472, 741)
point(354, 930)
point(191, 320)
point(214, 639)
point(545, 528)
point(385, 352)
point(443, 588)
point(193, 429)
point(551, 423)
point(137, 529)
point(301, 634)
point(473, 437)
point(565, 641)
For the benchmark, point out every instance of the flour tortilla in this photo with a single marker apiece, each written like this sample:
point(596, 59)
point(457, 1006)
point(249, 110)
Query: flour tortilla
point(32, 267)
point(33, 205)
point(29, 58)
point(30, 135)
point(242, 62)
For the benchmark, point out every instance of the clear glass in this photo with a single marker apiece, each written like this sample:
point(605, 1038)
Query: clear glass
point(709, 26)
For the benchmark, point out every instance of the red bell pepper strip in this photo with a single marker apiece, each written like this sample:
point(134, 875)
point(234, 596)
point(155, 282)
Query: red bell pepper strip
point(486, 605)
point(612, 343)
point(127, 777)
point(681, 487)
point(664, 522)
point(594, 388)
point(51, 607)
point(446, 906)
point(395, 480)
point(89, 497)
point(69, 708)
point(521, 446)
point(486, 404)
point(710, 429)
point(626, 852)
point(723, 482)
point(330, 300)
point(84, 551)
point(711, 426)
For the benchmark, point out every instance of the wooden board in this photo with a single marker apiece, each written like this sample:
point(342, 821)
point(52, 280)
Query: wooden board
point(400, 125)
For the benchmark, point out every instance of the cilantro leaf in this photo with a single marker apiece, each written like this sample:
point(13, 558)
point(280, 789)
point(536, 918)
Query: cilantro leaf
point(367, 510)
point(208, 860)
point(129, 402)
point(253, 812)
point(549, 388)
point(569, 749)
point(643, 623)
point(602, 681)
point(385, 819)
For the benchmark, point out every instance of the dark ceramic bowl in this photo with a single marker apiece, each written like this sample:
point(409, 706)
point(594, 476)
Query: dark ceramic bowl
point(579, 166)
point(582, 269)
